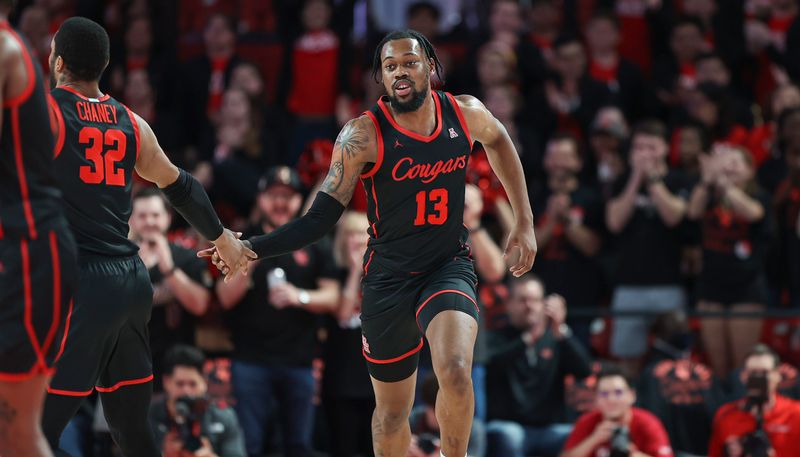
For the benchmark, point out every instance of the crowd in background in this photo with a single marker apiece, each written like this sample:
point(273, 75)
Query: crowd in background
point(661, 145)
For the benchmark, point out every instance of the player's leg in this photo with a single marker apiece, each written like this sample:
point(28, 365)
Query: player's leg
point(451, 335)
point(448, 314)
point(391, 343)
point(36, 286)
point(125, 383)
point(126, 410)
point(391, 433)
point(20, 415)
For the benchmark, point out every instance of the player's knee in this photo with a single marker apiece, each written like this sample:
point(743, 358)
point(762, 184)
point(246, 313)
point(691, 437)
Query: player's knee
point(389, 420)
point(455, 375)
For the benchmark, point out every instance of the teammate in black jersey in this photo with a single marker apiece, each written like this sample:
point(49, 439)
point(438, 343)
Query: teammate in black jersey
point(411, 153)
point(99, 143)
point(37, 251)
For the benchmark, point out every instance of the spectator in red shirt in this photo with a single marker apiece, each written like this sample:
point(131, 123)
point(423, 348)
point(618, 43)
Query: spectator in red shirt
point(734, 422)
point(615, 425)
point(312, 79)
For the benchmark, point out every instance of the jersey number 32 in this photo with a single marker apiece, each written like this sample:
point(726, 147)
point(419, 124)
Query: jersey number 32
point(103, 167)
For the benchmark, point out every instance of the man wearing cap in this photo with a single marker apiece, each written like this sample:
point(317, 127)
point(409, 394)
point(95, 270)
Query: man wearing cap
point(273, 320)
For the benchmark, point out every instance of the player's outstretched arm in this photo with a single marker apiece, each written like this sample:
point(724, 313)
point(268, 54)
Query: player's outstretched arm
point(503, 158)
point(355, 148)
point(189, 198)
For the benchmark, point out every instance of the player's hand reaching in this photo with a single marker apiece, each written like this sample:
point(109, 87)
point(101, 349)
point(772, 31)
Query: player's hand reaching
point(522, 237)
point(230, 254)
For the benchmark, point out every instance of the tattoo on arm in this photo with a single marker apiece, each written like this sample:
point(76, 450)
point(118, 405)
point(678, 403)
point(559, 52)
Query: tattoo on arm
point(340, 182)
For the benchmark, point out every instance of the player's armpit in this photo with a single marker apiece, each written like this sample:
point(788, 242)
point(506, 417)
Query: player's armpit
point(153, 164)
point(355, 147)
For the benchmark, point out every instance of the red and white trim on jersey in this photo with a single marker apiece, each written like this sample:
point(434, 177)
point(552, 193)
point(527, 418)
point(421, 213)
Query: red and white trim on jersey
point(460, 116)
point(409, 133)
point(83, 97)
point(445, 291)
point(395, 359)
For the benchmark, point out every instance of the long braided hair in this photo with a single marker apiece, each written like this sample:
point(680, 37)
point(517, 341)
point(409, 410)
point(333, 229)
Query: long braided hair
point(430, 52)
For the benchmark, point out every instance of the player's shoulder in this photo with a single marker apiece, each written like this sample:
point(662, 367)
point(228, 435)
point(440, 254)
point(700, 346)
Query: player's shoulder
point(358, 134)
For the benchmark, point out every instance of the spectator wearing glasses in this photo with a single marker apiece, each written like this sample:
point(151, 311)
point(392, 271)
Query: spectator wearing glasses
point(616, 427)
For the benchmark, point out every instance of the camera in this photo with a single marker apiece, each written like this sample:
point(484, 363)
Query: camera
point(756, 444)
point(189, 412)
point(620, 442)
point(427, 443)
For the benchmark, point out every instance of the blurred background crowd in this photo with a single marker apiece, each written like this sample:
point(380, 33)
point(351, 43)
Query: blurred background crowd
point(661, 145)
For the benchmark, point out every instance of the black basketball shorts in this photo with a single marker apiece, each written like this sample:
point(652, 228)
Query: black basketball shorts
point(397, 308)
point(37, 280)
point(108, 345)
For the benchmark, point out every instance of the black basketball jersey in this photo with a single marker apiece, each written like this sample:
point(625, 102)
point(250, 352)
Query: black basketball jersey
point(29, 196)
point(415, 190)
point(95, 156)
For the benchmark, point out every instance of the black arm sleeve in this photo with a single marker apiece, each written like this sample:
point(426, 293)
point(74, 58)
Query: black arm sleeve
point(190, 200)
point(320, 218)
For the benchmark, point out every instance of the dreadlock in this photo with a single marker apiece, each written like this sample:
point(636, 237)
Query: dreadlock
point(430, 53)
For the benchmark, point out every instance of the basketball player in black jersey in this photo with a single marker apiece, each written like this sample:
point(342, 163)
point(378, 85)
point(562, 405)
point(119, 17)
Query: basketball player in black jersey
point(411, 152)
point(37, 251)
point(99, 143)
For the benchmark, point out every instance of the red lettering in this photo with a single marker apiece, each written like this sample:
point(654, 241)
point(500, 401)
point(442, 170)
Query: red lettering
point(93, 113)
point(426, 172)
point(113, 112)
point(81, 110)
point(104, 112)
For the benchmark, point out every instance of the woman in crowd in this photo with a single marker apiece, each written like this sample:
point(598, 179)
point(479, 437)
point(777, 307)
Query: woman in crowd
point(346, 389)
point(734, 219)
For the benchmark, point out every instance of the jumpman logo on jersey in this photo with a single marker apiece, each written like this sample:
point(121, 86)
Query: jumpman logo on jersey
point(397, 144)
point(453, 133)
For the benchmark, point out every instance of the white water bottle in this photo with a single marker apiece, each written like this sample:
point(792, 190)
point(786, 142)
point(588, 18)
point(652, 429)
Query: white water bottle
point(276, 277)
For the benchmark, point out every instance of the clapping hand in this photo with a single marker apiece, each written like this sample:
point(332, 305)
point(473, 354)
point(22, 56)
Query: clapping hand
point(230, 254)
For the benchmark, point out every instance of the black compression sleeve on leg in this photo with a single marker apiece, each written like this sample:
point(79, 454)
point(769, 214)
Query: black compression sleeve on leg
point(189, 199)
point(320, 218)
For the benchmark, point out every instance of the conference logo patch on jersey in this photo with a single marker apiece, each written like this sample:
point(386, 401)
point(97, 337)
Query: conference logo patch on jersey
point(453, 133)
point(406, 169)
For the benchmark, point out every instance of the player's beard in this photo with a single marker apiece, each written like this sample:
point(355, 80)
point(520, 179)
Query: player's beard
point(416, 100)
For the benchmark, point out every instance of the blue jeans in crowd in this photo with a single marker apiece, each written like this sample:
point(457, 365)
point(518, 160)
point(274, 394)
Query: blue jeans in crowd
point(285, 393)
point(511, 439)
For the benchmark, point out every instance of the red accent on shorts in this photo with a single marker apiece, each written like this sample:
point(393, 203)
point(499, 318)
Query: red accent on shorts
point(130, 382)
point(378, 162)
point(70, 393)
point(31, 72)
point(369, 261)
point(395, 359)
point(69, 89)
point(51, 334)
point(409, 133)
point(460, 116)
point(66, 332)
point(135, 129)
point(26, 282)
point(452, 291)
point(23, 182)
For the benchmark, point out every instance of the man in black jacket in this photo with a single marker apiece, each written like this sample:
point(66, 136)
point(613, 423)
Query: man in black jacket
point(528, 362)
